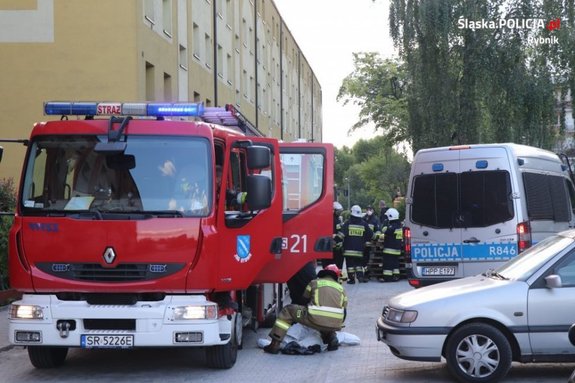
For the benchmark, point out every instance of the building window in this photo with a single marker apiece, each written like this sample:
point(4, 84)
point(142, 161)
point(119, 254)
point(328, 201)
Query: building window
point(183, 57)
point(196, 41)
point(208, 47)
point(229, 69)
point(150, 88)
point(149, 12)
point(197, 97)
point(220, 62)
point(167, 17)
point(167, 87)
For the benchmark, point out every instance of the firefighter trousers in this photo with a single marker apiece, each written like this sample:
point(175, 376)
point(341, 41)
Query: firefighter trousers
point(291, 314)
point(353, 265)
point(390, 266)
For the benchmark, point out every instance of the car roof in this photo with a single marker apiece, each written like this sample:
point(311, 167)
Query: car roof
point(568, 233)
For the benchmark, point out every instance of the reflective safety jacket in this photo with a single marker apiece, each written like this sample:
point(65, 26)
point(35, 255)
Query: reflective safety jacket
point(354, 233)
point(327, 304)
point(393, 238)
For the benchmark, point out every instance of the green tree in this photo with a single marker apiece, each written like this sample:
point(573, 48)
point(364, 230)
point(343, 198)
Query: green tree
point(7, 204)
point(470, 85)
point(377, 86)
point(375, 171)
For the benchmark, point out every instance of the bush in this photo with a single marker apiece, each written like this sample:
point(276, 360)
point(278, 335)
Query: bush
point(7, 204)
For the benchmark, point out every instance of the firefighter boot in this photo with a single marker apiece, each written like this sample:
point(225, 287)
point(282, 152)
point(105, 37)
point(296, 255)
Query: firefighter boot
point(350, 278)
point(361, 278)
point(273, 347)
point(332, 341)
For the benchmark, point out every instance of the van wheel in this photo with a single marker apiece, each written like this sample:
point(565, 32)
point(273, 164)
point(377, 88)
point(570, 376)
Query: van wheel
point(224, 356)
point(47, 357)
point(478, 353)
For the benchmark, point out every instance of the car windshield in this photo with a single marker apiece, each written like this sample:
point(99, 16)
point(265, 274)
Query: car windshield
point(528, 262)
point(155, 174)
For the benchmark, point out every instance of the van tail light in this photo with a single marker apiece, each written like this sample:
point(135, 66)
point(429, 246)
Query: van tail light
point(523, 236)
point(407, 244)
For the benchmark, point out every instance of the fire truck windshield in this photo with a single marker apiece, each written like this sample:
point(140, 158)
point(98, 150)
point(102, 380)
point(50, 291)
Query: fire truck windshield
point(161, 176)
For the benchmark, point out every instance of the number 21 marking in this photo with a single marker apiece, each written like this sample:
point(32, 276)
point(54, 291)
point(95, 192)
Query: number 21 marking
point(296, 247)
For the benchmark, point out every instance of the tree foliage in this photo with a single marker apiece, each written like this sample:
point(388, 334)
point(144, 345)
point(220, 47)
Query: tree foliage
point(378, 87)
point(374, 171)
point(7, 204)
point(457, 84)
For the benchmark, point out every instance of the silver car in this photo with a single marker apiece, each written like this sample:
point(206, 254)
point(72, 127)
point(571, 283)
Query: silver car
point(519, 312)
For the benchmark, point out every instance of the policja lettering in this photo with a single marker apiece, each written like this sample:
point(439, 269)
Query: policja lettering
point(435, 252)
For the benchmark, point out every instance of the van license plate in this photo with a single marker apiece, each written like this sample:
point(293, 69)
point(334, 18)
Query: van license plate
point(438, 270)
point(107, 341)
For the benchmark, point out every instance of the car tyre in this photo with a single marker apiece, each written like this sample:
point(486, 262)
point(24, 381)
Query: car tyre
point(478, 353)
point(47, 357)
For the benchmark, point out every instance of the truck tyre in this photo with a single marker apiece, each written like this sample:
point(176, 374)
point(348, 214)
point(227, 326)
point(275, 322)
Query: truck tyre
point(478, 353)
point(47, 357)
point(224, 356)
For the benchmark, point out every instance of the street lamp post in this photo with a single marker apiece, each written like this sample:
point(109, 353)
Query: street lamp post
point(348, 193)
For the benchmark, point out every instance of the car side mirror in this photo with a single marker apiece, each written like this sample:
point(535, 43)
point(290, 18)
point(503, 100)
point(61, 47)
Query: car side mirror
point(553, 281)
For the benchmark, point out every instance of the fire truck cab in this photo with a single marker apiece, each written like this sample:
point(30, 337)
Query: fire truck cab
point(135, 228)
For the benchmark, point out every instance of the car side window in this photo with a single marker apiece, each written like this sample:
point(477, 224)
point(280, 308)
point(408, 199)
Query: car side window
point(566, 270)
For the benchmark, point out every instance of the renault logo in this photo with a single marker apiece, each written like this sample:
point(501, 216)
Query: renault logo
point(109, 255)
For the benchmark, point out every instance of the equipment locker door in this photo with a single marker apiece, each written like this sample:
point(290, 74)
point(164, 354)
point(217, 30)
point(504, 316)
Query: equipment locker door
point(249, 238)
point(307, 193)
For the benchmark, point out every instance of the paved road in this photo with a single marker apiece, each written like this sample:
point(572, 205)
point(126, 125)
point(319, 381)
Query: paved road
point(369, 362)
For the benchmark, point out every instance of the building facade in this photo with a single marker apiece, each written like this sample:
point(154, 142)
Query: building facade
point(218, 52)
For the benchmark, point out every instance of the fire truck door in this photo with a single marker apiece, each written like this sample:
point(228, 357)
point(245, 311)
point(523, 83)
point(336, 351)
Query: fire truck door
point(307, 191)
point(249, 238)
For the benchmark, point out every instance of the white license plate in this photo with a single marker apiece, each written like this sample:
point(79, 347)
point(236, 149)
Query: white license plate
point(438, 270)
point(107, 341)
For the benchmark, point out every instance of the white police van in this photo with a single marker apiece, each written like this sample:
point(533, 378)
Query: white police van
point(470, 208)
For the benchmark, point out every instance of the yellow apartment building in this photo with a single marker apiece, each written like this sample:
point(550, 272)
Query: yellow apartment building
point(218, 52)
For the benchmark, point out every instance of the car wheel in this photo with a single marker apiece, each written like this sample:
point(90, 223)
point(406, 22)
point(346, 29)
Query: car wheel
point(478, 352)
point(47, 357)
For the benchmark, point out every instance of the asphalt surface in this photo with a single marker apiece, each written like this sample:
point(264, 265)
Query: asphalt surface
point(371, 361)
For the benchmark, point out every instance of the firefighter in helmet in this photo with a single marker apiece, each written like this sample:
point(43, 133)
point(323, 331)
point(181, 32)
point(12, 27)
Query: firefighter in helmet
point(354, 234)
point(325, 311)
point(337, 222)
point(392, 244)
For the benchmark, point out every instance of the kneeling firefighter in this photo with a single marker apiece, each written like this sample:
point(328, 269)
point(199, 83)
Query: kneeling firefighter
point(324, 312)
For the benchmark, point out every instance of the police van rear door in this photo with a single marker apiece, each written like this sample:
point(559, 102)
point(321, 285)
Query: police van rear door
point(307, 191)
point(433, 216)
point(488, 226)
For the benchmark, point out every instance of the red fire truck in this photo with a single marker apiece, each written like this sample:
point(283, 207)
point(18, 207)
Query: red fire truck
point(138, 227)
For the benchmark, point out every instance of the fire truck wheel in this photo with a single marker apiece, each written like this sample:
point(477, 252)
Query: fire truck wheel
point(224, 356)
point(239, 330)
point(47, 357)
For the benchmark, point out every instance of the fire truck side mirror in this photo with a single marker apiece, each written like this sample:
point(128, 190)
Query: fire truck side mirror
point(259, 157)
point(121, 161)
point(259, 192)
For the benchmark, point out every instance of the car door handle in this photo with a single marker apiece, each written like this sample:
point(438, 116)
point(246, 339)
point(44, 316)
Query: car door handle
point(471, 240)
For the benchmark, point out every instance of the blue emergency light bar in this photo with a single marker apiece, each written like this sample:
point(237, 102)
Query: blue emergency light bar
point(146, 109)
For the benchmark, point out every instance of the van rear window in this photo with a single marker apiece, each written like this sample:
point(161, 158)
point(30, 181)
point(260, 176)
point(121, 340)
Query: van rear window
point(468, 199)
point(546, 197)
